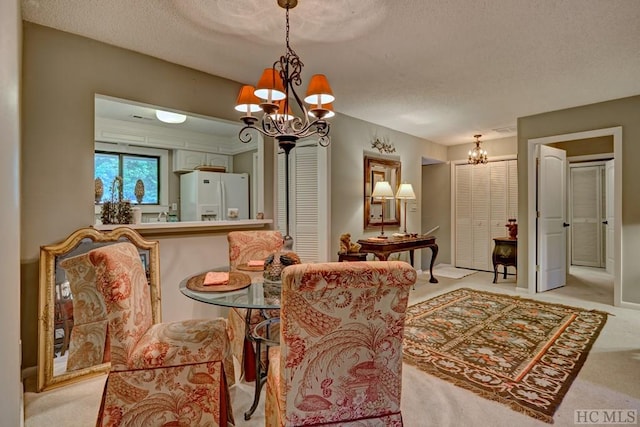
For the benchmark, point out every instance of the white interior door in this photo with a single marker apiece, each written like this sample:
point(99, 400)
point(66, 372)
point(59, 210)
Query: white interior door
point(552, 206)
point(609, 234)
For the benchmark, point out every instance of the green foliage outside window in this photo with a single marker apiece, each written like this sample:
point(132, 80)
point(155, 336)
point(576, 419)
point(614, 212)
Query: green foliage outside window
point(131, 168)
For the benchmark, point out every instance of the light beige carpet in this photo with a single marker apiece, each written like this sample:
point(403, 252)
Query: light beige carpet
point(610, 377)
point(451, 272)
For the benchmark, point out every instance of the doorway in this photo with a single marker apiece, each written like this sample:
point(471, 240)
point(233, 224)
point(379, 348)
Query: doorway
point(589, 210)
point(533, 238)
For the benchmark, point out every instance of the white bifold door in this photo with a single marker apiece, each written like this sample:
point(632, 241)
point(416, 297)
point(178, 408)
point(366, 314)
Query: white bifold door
point(309, 205)
point(486, 196)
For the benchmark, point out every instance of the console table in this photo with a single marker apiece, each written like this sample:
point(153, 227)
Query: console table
point(382, 248)
point(505, 252)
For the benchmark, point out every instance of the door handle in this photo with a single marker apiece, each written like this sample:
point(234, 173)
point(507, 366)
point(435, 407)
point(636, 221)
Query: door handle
point(605, 222)
point(564, 224)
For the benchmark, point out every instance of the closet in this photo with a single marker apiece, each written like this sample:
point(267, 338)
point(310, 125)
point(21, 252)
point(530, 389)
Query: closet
point(486, 196)
point(308, 200)
point(587, 208)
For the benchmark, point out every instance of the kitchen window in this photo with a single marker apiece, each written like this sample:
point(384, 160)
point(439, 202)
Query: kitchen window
point(131, 168)
point(134, 163)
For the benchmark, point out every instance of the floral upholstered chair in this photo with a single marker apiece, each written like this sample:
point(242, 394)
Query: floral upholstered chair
point(339, 362)
point(161, 374)
point(88, 341)
point(245, 246)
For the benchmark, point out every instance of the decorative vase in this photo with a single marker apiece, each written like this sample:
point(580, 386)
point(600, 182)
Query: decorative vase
point(139, 191)
point(275, 263)
point(98, 190)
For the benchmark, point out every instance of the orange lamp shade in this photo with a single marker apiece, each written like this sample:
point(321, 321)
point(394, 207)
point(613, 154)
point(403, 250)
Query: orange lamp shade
point(247, 102)
point(319, 92)
point(325, 112)
point(270, 86)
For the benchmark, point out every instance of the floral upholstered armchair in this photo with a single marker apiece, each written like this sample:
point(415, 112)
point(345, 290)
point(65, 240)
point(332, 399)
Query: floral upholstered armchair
point(164, 373)
point(339, 362)
point(88, 341)
point(245, 246)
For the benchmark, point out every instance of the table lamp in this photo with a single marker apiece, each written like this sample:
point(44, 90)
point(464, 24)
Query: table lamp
point(382, 190)
point(405, 192)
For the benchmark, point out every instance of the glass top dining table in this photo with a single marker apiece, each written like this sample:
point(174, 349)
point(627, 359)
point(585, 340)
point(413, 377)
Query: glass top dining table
point(260, 294)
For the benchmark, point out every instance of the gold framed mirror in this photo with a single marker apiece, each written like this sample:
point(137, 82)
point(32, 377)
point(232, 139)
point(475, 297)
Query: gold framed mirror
point(379, 169)
point(56, 303)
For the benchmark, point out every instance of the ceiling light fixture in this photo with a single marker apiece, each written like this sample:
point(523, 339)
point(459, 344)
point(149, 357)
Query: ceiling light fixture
point(169, 117)
point(274, 94)
point(478, 155)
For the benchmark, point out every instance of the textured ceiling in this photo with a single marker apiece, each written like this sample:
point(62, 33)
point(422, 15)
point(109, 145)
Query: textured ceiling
point(443, 70)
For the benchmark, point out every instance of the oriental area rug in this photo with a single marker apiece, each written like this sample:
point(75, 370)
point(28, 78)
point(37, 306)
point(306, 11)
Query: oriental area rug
point(516, 351)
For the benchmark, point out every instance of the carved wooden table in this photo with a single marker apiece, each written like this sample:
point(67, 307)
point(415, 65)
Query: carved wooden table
point(505, 252)
point(382, 248)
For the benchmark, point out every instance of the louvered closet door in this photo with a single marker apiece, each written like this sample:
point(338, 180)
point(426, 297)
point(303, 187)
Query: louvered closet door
point(512, 189)
point(463, 217)
point(480, 201)
point(308, 208)
point(586, 199)
point(306, 214)
point(499, 193)
point(485, 198)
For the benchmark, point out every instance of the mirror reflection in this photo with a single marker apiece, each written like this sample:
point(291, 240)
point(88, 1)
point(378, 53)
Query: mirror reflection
point(375, 170)
point(141, 158)
point(72, 327)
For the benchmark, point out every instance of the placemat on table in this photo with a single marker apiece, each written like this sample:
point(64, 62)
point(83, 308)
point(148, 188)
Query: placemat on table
point(237, 281)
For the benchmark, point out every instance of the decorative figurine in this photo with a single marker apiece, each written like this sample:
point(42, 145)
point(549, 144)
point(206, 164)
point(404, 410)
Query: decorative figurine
point(513, 228)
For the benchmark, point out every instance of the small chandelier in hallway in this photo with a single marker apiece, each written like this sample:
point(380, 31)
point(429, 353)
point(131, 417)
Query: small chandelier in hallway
point(478, 155)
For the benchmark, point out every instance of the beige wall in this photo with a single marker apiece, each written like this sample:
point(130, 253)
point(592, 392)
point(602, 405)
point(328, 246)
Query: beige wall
point(623, 112)
point(10, 47)
point(436, 210)
point(586, 147)
point(351, 138)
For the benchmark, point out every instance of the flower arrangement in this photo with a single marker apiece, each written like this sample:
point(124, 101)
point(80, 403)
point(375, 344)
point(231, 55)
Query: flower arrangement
point(116, 210)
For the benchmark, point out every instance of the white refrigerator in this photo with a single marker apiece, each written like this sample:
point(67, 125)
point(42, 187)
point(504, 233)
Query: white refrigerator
point(213, 196)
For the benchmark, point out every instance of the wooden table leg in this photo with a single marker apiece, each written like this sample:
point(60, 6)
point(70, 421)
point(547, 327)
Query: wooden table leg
point(434, 254)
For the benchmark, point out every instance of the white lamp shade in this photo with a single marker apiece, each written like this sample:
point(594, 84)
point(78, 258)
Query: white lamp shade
point(169, 117)
point(382, 189)
point(405, 191)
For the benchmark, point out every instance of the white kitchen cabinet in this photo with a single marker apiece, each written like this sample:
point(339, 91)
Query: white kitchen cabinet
point(187, 160)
